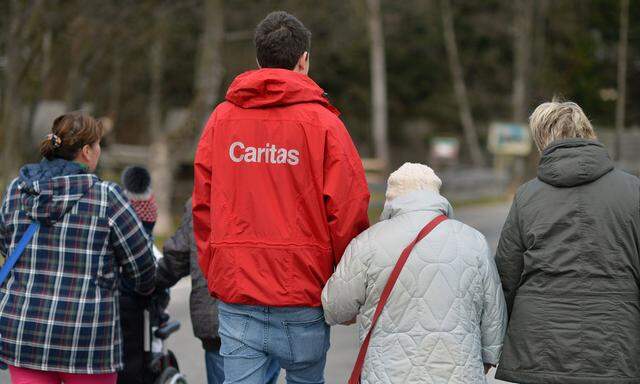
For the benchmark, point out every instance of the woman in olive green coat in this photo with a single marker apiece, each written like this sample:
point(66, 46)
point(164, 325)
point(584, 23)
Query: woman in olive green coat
point(568, 261)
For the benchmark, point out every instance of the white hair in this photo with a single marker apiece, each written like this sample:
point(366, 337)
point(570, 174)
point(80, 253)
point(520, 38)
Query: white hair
point(412, 177)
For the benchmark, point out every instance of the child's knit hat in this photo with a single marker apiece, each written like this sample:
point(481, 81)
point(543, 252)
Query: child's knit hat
point(136, 181)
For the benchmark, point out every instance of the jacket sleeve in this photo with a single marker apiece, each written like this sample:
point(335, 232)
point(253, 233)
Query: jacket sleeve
point(346, 194)
point(345, 291)
point(176, 262)
point(132, 247)
point(493, 323)
point(510, 256)
point(201, 199)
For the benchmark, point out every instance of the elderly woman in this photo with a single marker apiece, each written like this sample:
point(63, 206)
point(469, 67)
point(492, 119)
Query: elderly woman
point(445, 318)
point(568, 260)
point(58, 307)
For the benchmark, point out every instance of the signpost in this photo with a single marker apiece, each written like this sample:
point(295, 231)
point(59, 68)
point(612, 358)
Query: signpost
point(509, 139)
point(511, 144)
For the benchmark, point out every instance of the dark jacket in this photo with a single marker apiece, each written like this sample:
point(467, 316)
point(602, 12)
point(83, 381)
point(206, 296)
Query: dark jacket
point(58, 306)
point(568, 260)
point(181, 259)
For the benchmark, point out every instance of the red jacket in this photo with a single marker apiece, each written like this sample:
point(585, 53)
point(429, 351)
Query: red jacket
point(279, 191)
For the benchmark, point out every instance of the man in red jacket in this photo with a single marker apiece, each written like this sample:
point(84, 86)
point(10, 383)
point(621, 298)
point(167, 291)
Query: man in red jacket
point(279, 192)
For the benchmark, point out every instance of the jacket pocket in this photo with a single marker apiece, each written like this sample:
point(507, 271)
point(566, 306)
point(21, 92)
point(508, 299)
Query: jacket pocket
point(308, 340)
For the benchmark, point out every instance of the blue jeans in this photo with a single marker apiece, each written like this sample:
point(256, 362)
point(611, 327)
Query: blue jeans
point(297, 338)
point(215, 369)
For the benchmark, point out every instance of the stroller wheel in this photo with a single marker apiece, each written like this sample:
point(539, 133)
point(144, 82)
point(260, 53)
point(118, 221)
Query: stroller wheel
point(171, 376)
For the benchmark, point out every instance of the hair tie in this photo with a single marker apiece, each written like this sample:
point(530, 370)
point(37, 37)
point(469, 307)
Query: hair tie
point(55, 140)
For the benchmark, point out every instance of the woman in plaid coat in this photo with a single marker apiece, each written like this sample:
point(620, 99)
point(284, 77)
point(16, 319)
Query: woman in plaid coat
point(59, 318)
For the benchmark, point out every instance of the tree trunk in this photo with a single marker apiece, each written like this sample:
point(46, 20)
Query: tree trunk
point(73, 93)
point(540, 40)
point(209, 70)
point(161, 166)
point(115, 84)
point(11, 153)
point(522, 45)
point(45, 70)
point(535, 74)
point(522, 33)
point(622, 76)
point(208, 78)
point(469, 128)
point(162, 170)
point(18, 59)
point(378, 83)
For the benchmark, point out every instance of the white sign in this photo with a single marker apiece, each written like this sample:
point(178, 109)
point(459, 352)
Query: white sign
point(446, 148)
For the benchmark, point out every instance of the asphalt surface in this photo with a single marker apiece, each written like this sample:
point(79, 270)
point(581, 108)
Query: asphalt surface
point(487, 219)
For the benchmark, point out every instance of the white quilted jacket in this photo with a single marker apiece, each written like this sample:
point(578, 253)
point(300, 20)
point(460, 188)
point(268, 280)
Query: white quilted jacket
point(446, 314)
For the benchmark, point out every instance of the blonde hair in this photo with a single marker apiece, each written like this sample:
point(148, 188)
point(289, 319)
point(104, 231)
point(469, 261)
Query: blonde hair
point(412, 177)
point(557, 120)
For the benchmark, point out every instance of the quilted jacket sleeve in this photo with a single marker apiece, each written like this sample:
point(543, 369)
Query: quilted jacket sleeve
point(345, 291)
point(493, 323)
point(510, 256)
point(201, 200)
point(345, 190)
point(131, 245)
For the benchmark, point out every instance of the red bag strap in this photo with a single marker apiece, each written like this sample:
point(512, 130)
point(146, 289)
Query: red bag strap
point(386, 292)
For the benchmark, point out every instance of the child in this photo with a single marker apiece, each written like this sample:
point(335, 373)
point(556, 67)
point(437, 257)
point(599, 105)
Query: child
point(137, 187)
point(136, 182)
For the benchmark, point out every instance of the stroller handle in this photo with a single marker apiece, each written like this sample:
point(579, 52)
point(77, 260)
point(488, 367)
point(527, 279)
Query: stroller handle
point(167, 330)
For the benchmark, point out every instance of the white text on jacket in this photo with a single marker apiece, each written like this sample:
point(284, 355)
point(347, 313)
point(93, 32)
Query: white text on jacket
point(269, 154)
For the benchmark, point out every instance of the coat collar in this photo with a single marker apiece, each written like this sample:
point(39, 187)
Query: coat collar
point(423, 200)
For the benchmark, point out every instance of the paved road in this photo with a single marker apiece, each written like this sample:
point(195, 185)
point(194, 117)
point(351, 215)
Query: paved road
point(487, 219)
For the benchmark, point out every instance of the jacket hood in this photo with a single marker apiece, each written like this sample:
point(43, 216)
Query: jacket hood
point(49, 189)
point(573, 162)
point(272, 87)
point(423, 200)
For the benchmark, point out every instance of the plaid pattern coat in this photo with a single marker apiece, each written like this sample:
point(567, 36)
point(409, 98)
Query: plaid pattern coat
point(59, 305)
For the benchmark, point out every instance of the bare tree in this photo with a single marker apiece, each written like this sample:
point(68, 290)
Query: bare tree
point(208, 78)
point(115, 85)
point(540, 40)
point(537, 62)
point(22, 48)
point(160, 163)
point(84, 56)
point(460, 89)
point(622, 75)
point(209, 70)
point(378, 82)
point(522, 33)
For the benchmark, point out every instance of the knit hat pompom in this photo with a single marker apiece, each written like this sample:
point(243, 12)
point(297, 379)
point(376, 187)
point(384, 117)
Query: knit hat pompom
point(411, 177)
point(136, 180)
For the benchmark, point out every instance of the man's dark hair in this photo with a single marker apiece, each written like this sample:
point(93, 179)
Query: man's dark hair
point(280, 40)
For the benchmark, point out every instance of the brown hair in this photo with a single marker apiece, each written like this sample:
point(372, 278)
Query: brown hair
point(69, 133)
